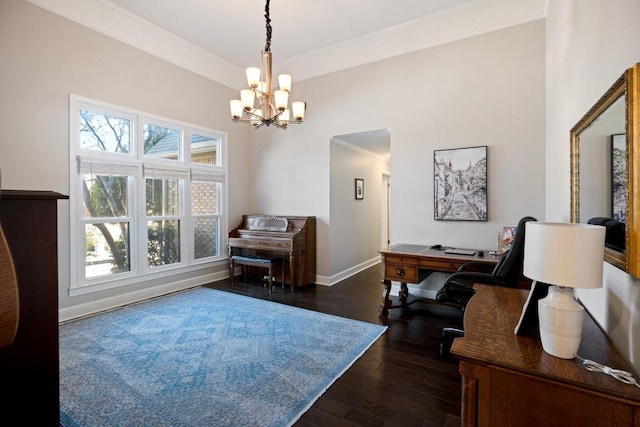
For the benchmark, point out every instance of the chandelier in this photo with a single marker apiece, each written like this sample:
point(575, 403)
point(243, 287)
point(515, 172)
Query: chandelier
point(272, 105)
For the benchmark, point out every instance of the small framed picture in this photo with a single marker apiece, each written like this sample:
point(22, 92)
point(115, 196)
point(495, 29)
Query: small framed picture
point(619, 177)
point(359, 189)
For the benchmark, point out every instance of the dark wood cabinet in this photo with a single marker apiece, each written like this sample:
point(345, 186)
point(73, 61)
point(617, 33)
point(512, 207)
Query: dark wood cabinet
point(29, 365)
point(509, 380)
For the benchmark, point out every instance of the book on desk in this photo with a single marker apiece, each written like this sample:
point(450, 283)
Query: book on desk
point(454, 251)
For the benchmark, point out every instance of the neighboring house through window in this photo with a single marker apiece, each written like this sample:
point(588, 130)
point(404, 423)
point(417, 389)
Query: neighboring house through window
point(149, 195)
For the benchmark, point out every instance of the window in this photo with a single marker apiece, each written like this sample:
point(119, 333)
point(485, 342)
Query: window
point(149, 195)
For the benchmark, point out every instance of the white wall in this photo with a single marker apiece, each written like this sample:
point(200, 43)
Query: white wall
point(45, 58)
point(589, 45)
point(485, 90)
point(355, 224)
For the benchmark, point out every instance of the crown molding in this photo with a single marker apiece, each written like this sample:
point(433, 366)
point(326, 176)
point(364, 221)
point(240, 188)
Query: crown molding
point(120, 24)
point(471, 19)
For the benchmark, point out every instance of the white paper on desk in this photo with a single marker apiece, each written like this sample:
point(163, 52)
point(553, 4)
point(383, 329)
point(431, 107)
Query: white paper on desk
point(428, 288)
point(529, 316)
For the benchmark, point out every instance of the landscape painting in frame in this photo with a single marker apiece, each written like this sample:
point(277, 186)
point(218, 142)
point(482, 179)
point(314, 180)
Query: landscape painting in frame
point(619, 177)
point(460, 184)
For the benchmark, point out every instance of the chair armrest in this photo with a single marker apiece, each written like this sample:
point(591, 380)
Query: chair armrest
point(458, 288)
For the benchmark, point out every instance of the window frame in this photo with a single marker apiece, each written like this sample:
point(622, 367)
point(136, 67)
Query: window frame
point(139, 268)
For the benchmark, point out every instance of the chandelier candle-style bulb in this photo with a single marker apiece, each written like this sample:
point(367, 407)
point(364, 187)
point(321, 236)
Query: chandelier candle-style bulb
point(247, 96)
point(256, 120)
point(282, 99)
point(284, 117)
point(298, 109)
point(236, 108)
point(253, 76)
point(285, 82)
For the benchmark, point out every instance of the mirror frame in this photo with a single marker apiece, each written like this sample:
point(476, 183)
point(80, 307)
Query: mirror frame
point(628, 86)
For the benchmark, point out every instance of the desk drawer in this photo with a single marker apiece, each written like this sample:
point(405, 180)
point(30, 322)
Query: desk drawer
point(444, 265)
point(400, 259)
point(401, 273)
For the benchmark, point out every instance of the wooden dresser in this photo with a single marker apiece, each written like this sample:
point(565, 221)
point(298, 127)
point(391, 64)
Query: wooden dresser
point(508, 380)
point(29, 365)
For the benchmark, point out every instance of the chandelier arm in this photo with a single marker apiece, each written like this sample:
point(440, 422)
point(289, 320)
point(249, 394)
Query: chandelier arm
point(275, 116)
point(252, 114)
point(262, 122)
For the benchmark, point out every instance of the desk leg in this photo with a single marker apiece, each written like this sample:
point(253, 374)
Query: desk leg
point(386, 301)
point(292, 269)
point(404, 292)
point(231, 266)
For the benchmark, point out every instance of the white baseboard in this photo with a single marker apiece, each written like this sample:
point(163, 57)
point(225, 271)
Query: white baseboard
point(110, 303)
point(332, 280)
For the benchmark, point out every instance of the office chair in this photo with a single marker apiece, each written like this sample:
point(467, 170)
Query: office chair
point(458, 288)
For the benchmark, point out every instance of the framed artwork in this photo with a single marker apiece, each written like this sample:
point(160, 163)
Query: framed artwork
point(505, 239)
point(359, 189)
point(619, 177)
point(460, 184)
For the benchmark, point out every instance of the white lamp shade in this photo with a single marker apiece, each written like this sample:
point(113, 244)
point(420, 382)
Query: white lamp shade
point(563, 254)
point(255, 120)
point(247, 96)
point(284, 116)
point(281, 99)
point(253, 76)
point(285, 82)
point(236, 108)
point(298, 108)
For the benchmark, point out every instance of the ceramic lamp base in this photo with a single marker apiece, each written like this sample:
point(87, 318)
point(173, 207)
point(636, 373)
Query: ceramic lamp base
point(561, 318)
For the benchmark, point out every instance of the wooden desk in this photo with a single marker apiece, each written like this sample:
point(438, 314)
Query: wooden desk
point(509, 380)
point(413, 263)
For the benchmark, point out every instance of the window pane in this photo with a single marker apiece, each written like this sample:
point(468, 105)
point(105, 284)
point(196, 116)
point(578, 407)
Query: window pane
point(104, 196)
point(163, 242)
point(161, 142)
point(204, 150)
point(162, 197)
point(106, 133)
point(204, 197)
point(205, 237)
point(107, 249)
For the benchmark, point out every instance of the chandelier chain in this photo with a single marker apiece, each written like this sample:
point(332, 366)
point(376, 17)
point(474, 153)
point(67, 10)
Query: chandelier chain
point(267, 46)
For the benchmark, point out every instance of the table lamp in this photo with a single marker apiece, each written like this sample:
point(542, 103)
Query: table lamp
point(564, 256)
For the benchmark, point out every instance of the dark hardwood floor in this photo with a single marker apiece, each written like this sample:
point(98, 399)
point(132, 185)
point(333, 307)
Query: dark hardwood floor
point(401, 380)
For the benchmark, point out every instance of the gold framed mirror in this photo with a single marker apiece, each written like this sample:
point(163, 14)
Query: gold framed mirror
point(605, 185)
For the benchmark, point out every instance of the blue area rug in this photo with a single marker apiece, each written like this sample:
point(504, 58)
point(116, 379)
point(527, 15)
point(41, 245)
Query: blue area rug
point(203, 357)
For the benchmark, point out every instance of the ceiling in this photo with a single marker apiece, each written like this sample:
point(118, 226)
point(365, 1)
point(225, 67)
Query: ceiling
point(375, 141)
point(235, 31)
point(220, 38)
